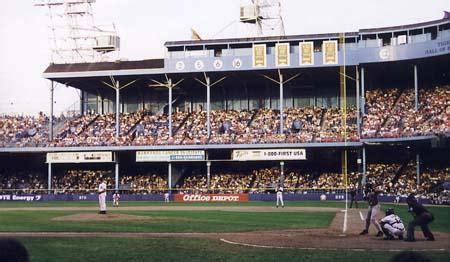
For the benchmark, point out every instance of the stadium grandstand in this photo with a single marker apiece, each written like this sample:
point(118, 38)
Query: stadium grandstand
point(238, 115)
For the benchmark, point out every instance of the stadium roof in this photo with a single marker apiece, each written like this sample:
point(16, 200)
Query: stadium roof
point(149, 66)
point(308, 36)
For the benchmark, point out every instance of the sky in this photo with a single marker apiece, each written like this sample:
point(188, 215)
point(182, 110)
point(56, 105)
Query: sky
point(145, 25)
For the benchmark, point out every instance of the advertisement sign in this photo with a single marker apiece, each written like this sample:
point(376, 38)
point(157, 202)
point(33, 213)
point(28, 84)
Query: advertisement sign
point(169, 155)
point(13, 197)
point(306, 51)
point(79, 157)
point(269, 154)
point(329, 50)
point(282, 54)
point(211, 197)
point(259, 55)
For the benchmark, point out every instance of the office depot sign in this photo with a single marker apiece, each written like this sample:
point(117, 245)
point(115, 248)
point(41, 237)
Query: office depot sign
point(211, 197)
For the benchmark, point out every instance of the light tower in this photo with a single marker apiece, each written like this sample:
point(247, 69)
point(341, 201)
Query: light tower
point(74, 37)
point(264, 16)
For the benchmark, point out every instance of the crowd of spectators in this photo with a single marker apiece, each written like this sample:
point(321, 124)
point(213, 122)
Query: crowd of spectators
point(389, 113)
point(389, 179)
point(22, 131)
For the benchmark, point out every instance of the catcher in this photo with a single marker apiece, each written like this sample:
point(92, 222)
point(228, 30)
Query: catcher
point(392, 225)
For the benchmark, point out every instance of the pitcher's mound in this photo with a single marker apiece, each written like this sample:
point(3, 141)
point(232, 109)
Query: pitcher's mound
point(98, 217)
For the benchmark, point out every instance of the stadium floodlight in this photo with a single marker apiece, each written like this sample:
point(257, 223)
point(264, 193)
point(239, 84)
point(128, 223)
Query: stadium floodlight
point(264, 16)
point(73, 35)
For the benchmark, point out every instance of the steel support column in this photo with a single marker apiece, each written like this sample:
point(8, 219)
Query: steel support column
point(418, 169)
point(49, 179)
point(208, 105)
point(281, 105)
point(363, 92)
point(116, 165)
point(169, 85)
point(358, 108)
point(117, 109)
point(50, 135)
point(416, 89)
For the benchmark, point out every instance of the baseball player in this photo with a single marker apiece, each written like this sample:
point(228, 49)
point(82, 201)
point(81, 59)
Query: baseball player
point(422, 217)
point(371, 196)
point(280, 195)
point(102, 197)
point(392, 225)
point(353, 197)
point(116, 197)
point(166, 197)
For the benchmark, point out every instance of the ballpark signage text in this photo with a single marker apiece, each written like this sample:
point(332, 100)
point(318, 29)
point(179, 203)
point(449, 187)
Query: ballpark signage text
point(211, 197)
point(20, 198)
point(172, 155)
point(79, 157)
point(269, 154)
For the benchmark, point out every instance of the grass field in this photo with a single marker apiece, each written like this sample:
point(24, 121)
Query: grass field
point(186, 249)
point(164, 249)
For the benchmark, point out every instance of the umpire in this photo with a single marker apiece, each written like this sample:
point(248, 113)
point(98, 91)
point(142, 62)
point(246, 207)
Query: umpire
point(422, 217)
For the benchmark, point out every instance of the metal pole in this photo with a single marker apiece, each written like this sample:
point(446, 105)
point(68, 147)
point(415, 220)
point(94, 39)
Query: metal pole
point(281, 173)
point(281, 104)
point(363, 93)
point(170, 107)
point(116, 160)
point(169, 176)
point(418, 169)
point(358, 109)
point(82, 103)
point(208, 175)
point(364, 178)
point(208, 105)
point(49, 178)
point(416, 91)
point(51, 112)
point(117, 109)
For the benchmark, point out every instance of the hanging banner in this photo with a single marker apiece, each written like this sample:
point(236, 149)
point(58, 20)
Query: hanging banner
point(306, 50)
point(79, 157)
point(259, 55)
point(269, 154)
point(172, 155)
point(282, 54)
point(329, 50)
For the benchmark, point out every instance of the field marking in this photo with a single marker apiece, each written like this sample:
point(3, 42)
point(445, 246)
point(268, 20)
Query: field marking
point(328, 249)
point(361, 216)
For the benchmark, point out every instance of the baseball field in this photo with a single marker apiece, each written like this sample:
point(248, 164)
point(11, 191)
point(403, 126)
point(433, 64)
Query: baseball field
point(250, 231)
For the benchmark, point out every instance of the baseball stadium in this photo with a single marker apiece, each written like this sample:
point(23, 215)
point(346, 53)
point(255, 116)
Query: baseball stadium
point(269, 147)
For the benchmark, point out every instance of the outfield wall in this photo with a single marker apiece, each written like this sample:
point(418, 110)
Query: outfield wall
point(315, 196)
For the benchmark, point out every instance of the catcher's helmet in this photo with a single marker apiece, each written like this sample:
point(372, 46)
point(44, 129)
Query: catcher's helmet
point(390, 211)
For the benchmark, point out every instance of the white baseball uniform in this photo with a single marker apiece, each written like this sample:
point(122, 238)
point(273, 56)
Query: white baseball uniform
point(280, 196)
point(102, 196)
point(116, 198)
point(393, 224)
point(166, 197)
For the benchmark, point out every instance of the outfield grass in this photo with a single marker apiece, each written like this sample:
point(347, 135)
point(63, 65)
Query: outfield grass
point(163, 249)
point(166, 221)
